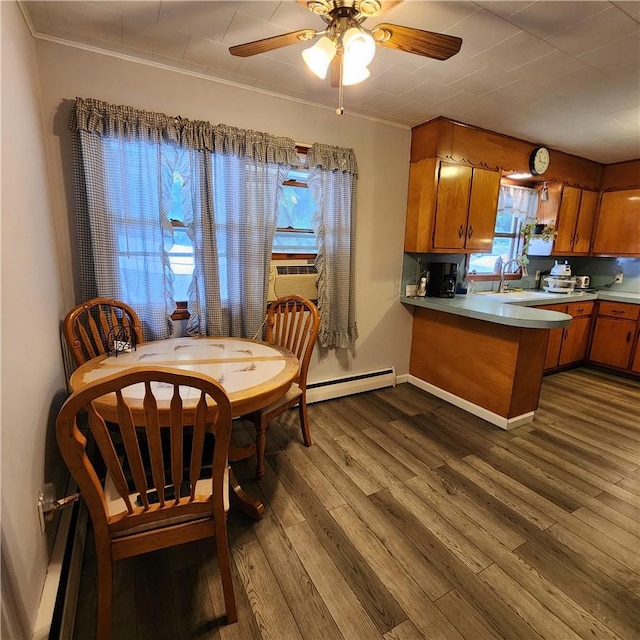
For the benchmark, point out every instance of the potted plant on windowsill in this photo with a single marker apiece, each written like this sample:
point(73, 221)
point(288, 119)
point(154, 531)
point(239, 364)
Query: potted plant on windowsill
point(547, 232)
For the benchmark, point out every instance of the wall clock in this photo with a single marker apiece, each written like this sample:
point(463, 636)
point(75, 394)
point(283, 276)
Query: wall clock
point(539, 161)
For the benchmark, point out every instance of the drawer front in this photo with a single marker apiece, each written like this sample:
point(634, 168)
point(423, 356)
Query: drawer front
point(619, 310)
point(578, 309)
point(560, 308)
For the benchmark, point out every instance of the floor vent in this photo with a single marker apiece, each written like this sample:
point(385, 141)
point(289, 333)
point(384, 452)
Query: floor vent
point(338, 387)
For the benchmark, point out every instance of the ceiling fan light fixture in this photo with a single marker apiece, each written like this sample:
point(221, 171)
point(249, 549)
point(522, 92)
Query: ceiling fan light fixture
point(354, 73)
point(319, 56)
point(359, 46)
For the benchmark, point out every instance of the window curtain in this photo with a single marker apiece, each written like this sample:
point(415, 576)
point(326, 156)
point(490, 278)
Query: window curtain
point(332, 177)
point(519, 202)
point(120, 156)
point(234, 235)
point(124, 159)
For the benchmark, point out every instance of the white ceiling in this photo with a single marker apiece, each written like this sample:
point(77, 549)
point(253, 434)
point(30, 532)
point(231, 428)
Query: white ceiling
point(561, 73)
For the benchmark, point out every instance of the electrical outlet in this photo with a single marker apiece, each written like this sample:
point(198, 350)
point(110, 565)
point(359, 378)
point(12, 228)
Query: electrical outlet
point(44, 504)
point(617, 277)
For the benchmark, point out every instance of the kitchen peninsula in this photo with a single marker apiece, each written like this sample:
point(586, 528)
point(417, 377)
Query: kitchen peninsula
point(485, 353)
point(482, 355)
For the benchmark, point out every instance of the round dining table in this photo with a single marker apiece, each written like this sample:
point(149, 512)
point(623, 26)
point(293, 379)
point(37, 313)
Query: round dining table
point(253, 373)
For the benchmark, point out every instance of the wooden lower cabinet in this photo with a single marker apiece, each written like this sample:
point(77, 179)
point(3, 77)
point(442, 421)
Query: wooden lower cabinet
point(575, 341)
point(614, 336)
point(552, 355)
point(635, 363)
point(569, 345)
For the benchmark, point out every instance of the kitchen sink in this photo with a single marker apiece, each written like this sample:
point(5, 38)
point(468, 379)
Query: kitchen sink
point(517, 296)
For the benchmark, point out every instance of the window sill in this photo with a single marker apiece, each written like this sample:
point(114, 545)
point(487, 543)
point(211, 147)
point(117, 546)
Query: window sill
point(293, 256)
point(493, 277)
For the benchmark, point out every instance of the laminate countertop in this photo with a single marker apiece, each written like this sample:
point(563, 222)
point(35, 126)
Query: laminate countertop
point(517, 308)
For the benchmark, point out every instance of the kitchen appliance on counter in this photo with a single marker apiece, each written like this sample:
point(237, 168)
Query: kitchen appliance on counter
point(560, 279)
point(560, 284)
point(441, 279)
point(583, 282)
point(561, 269)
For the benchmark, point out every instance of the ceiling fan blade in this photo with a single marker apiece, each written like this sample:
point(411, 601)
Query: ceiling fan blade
point(269, 44)
point(423, 43)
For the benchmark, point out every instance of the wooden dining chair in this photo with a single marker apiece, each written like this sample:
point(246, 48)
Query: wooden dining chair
point(292, 323)
point(147, 500)
point(87, 328)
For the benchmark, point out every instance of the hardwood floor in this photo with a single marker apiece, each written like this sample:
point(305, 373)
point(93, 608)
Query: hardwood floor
point(409, 518)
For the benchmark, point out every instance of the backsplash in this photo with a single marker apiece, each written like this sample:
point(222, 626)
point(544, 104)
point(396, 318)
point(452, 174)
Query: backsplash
point(601, 270)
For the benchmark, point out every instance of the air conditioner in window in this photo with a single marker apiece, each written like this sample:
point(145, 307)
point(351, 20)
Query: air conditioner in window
point(287, 279)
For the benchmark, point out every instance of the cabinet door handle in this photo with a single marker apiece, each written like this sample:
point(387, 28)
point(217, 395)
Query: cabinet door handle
point(470, 231)
point(617, 311)
point(580, 310)
point(460, 232)
point(629, 336)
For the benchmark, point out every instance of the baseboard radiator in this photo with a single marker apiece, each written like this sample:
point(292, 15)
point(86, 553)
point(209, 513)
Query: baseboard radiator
point(57, 611)
point(346, 386)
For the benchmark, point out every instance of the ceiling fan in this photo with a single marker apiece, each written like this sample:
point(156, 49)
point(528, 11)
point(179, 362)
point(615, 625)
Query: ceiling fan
point(346, 46)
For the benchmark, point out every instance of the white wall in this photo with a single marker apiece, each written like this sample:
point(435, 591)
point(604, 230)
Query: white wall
point(382, 151)
point(32, 304)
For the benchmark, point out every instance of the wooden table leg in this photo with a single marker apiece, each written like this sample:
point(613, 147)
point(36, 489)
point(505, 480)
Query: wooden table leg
point(239, 499)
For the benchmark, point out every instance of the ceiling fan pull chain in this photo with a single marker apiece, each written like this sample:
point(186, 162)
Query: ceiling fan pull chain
point(340, 109)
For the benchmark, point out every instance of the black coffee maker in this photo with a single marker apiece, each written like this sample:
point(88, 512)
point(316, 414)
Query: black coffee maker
point(441, 279)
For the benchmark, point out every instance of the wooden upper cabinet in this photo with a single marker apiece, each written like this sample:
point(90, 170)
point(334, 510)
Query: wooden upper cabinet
point(566, 220)
point(483, 209)
point(466, 208)
point(576, 215)
point(586, 220)
point(452, 208)
point(617, 231)
point(420, 205)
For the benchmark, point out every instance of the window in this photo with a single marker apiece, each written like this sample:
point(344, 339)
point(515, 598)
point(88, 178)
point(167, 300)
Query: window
point(506, 245)
point(181, 252)
point(294, 236)
point(517, 205)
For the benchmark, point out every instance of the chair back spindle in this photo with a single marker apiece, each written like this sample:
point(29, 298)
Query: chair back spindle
point(87, 328)
point(292, 323)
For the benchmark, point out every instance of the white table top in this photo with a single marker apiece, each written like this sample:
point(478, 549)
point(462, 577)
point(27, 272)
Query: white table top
point(252, 373)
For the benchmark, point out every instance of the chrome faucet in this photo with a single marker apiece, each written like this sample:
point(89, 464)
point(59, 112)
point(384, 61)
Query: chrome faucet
point(503, 271)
